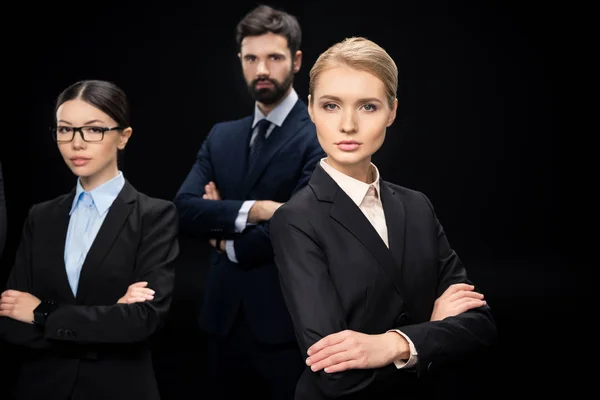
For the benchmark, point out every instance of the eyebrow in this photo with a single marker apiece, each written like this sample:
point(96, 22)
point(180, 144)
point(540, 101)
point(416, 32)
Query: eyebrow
point(363, 100)
point(87, 123)
point(268, 55)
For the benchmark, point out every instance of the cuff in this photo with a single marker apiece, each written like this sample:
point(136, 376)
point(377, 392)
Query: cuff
point(242, 217)
point(412, 361)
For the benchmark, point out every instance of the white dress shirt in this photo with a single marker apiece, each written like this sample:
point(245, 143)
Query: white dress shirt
point(366, 197)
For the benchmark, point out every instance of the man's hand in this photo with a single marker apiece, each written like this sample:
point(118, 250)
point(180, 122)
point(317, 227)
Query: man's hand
point(18, 305)
point(262, 210)
point(137, 293)
point(213, 243)
point(211, 192)
point(457, 299)
point(354, 350)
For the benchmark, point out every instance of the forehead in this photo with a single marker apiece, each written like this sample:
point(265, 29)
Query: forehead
point(80, 111)
point(348, 83)
point(264, 44)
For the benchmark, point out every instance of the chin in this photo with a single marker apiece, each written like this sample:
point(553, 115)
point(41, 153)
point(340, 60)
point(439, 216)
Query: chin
point(347, 158)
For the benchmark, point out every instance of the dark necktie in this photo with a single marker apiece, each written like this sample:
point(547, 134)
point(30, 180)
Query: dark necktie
point(259, 142)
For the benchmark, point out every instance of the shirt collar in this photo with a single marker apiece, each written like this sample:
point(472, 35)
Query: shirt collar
point(279, 113)
point(355, 189)
point(103, 196)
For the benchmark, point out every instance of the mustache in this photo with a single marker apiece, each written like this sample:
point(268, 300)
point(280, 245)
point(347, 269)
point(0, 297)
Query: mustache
point(273, 81)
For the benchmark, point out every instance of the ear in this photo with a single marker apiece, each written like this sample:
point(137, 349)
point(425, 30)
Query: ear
point(310, 109)
point(392, 116)
point(124, 138)
point(297, 61)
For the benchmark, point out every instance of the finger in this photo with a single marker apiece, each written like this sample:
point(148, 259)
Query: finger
point(468, 304)
point(6, 306)
point(132, 300)
point(464, 294)
point(326, 353)
point(139, 284)
point(331, 361)
point(5, 313)
point(343, 366)
point(457, 287)
point(11, 293)
point(8, 300)
point(137, 292)
point(329, 340)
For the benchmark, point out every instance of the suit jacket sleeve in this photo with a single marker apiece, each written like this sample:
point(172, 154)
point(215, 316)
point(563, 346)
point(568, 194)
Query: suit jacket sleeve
point(129, 323)
point(453, 337)
point(253, 247)
point(12, 331)
point(2, 214)
point(311, 297)
point(198, 216)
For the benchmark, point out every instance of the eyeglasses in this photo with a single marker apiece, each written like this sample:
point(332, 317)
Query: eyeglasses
point(64, 134)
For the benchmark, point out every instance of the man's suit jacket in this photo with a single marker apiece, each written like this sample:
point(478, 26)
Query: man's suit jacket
point(337, 274)
point(91, 347)
point(2, 214)
point(285, 166)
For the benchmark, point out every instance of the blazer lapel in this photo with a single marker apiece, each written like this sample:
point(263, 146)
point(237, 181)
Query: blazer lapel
point(57, 240)
point(347, 214)
point(108, 233)
point(395, 219)
point(296, 119)
point(238, 155)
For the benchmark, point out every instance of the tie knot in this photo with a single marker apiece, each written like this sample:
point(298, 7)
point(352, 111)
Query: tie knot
point(263, 125)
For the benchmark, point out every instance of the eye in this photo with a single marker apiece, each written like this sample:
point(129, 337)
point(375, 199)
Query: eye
point(250, 58)
point(94, 129)
point(64, 129)
point(276, 57)
point(330, 106)
point(370, 107)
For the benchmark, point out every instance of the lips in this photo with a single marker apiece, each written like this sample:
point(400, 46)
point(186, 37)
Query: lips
point(80, 161)
point(348, 145)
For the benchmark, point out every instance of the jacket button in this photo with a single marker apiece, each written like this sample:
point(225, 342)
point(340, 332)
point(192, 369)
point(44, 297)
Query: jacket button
point(402, 319)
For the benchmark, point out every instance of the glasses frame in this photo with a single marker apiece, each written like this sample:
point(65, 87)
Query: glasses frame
point(79, 129)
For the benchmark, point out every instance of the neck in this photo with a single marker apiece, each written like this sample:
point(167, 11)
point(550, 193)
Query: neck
point(267, 108)
point(359, 171)
point(91, 182)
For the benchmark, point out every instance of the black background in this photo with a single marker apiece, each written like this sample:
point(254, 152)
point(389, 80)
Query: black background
point(480, 130)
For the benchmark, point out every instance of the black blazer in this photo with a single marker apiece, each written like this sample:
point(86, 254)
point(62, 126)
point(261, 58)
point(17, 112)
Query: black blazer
point(337, 274)
point(2, 214)
point(91, 347)
point(289, 158)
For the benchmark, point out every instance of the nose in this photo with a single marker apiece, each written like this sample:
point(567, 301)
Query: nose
point(348, 123)
point(78, 143)
point(262, 69)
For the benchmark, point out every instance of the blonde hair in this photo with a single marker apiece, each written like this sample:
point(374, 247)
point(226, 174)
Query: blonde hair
point(361, 54)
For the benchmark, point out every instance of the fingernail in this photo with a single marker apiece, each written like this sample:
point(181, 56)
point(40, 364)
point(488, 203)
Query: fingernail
point(326, 369)
point(308, 361)
point(312, 368)
point(152, 291)
point(309, 352)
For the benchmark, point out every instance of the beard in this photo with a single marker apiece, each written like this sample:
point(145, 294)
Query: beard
point(270, 95)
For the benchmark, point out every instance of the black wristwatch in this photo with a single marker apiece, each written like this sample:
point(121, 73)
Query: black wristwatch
point(41, 312)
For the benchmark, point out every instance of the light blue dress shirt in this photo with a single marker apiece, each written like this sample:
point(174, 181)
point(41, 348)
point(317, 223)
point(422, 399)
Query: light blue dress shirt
point(87, 215)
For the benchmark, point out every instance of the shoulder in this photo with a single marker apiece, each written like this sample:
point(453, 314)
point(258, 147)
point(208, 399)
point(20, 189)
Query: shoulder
point(298, 210)
point(231, 125)
point(155, 208)
point(411, 198)
point(45, 207)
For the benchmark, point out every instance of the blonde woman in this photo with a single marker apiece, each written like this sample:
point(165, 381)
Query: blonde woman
point(377, 295)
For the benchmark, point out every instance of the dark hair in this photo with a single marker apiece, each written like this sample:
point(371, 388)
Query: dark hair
point(264, 19)
point(105, 96)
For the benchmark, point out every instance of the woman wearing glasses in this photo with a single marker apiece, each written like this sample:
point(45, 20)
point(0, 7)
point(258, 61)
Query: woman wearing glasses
point(93, 275)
